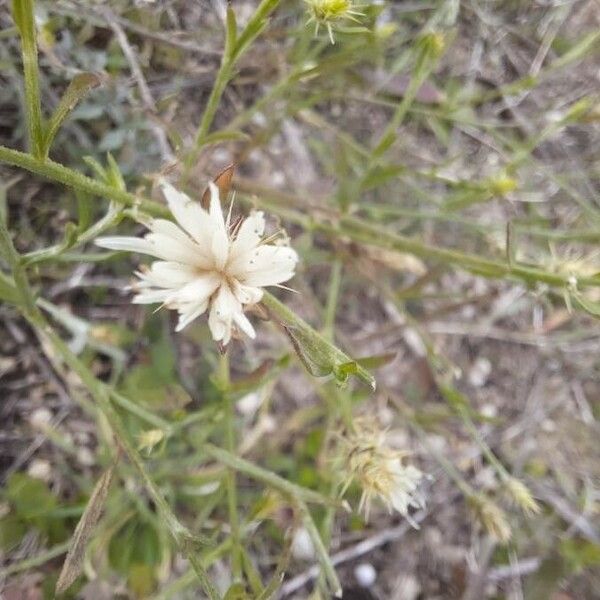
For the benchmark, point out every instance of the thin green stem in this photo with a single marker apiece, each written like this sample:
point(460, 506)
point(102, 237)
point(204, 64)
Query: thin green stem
point(230, 479)
point(355, 228)
point(35, 561)
point(335, 281)
point(235, 46)
point(73, 179)
point(23, 14)
point(287, 488)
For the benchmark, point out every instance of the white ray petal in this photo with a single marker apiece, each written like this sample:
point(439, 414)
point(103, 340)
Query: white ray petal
point(198, 290)
point(246, 294)
point(189, 214)
point(224, 306)
point(167, 274)
point(190, 313)
point(267, 265)
point(241, 320)
point(220, 239)
point(249, 235)
point(151, 296)
point(127, 244)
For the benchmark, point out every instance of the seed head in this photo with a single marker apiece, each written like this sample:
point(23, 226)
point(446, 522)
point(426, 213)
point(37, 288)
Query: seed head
point(492, 517)
point(380, 472)
point(521, 496)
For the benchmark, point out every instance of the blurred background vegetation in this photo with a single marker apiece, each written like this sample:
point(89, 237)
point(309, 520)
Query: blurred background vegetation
point(438, 170)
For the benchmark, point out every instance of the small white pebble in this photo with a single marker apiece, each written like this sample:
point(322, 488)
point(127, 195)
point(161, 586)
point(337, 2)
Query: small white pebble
point(40, 418)
point(489, 411)
point(40, 469)
point(247, 405)
point(302, 546)
point(480, 372)
point(414, 342)
point(365, 574)
point(85, 457)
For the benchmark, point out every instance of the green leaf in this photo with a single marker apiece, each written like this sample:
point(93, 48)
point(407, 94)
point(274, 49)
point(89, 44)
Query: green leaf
point(319, 356)
point(78, 88)
point(8, 291)
point(30, 497)
point(225, 136)
point(74, 560)
point(231, 33)
point(12, 530)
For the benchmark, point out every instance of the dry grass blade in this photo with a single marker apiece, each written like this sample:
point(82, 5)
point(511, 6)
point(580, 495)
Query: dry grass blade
point(83, 531)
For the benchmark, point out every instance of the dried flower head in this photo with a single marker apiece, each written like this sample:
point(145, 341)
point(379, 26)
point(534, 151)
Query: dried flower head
point(330, 12)
point(492, 517)
point(380, 472)
point(521, 496)
point(207, 263)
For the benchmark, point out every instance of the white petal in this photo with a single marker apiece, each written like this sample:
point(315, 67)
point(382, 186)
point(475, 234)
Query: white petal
point(267, 265)
point(151, 296)
point(246, 294)
point(249, 235)
point(241, 320)
point(220, 239)
point(167, 274)
point(190, 313)
point(189, 214)
point(223, 308)
point(170, 248)
point(127, 244)
point(198, 290)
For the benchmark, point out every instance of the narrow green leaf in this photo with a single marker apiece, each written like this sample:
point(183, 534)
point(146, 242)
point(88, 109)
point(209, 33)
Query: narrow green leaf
point(74, 560)
point(231, 33)
point(78, 88)
point(23, 15)
point(8, 291)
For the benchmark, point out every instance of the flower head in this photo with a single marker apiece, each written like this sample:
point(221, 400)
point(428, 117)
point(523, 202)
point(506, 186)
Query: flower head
point(206, 263)
point(380, 471)
point(330, 12)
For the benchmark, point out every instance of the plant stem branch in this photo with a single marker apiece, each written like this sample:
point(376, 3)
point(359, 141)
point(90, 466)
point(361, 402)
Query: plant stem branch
point(23, 14)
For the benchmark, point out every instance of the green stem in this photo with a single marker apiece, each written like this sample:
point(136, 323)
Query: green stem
point(355, 228)
point(23, 14)
point(287, 488)
point(230, 480)
point(335, 282)
point(221, 81)
point(73, 179)
point(35, 561)
point(234, 49)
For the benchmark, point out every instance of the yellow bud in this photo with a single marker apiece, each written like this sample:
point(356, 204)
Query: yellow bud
point(502, 185)
point(148, 439)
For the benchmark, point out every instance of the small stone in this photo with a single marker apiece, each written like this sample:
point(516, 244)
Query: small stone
point(480, 372)
point(40, 419)
point(40, 469)
point(85, 457)
point(365, 574)
point(302, 546)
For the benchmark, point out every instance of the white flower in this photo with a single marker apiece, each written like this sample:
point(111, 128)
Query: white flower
point(206, 263)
